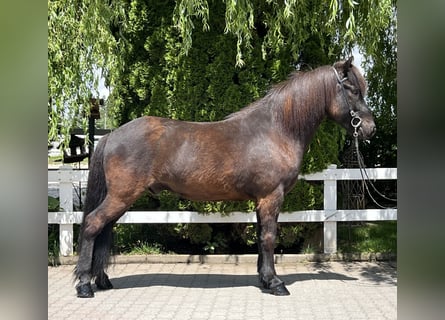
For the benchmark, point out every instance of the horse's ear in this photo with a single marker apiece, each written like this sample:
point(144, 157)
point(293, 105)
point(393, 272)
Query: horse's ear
point(344, 67)
point(348, 64)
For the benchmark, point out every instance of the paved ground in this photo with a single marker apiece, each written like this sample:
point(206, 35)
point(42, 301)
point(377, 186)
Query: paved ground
point(328, 290)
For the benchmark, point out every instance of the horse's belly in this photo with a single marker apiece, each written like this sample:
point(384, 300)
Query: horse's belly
point(210, 191)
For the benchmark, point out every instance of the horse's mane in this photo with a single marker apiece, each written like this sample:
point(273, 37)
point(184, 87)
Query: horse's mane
point(298, 102)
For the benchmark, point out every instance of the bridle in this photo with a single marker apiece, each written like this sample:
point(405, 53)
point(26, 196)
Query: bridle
point(356, 121)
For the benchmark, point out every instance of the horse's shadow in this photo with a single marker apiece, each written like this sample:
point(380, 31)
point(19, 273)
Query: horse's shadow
point(214, 281)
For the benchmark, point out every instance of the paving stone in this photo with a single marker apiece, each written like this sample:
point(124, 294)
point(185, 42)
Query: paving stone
point(328, 290)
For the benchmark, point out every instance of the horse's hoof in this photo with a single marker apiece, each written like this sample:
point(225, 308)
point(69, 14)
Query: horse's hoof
point(279, 290)
point(264, 284)
point(84, 290)
point(104, 284)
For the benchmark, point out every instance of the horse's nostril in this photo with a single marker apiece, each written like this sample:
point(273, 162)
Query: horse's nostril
point(373, 130)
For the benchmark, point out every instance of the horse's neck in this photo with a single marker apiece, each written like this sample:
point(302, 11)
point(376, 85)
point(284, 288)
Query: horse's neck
point(292, 115)
point(302, 122)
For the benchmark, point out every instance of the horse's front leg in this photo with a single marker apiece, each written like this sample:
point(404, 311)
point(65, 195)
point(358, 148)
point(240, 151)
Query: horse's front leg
point(268, 209)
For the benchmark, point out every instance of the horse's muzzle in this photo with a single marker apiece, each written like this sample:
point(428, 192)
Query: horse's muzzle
point(367, 130)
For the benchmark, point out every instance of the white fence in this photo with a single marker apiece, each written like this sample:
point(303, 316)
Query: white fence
point(330, 215)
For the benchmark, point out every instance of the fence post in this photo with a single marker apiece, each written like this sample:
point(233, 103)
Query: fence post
point(330, 205)
point(66, 205)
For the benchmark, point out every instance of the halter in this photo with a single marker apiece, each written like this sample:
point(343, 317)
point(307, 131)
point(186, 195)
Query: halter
point(356, 121)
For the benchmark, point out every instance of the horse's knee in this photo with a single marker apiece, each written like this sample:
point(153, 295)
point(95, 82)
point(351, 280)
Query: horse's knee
point(267, 242)
point(268, 239)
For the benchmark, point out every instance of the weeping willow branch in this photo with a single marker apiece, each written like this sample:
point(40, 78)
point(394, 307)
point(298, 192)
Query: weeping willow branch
point(85, 36)
point(80, 43)
point(183, 15)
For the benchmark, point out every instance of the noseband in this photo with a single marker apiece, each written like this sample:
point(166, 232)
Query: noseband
point(356, 121)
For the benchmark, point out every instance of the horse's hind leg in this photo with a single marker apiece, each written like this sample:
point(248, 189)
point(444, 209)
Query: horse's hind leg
point(101, 253)
point(95, 222)
point(268, 209)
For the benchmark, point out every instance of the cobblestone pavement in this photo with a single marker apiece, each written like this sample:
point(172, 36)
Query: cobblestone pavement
point(328, 290)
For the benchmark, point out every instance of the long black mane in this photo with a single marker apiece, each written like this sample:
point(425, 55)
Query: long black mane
point(299, 102)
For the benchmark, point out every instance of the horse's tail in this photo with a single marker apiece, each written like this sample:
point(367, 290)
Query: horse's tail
point(96, 193)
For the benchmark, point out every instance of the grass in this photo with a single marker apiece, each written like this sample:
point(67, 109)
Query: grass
point(146, 248)
point(309, 250)
point(367, 237)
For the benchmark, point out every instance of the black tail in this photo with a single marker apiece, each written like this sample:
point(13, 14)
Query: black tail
point(96, 192)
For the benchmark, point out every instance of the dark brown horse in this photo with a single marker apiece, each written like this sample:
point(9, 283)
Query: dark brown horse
point(254, 154)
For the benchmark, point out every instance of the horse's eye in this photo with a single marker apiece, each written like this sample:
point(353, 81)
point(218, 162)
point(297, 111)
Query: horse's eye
point(354, 90)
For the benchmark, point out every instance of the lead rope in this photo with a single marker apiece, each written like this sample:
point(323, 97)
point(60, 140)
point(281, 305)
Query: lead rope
point(367, 180)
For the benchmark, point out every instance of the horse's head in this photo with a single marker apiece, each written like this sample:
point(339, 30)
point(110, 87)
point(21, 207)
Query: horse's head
point(348, 107)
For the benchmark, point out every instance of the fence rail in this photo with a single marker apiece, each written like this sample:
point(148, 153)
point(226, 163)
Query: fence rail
point(65, 176)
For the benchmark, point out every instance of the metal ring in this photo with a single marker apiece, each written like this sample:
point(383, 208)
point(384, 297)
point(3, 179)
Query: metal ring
point(358, 123)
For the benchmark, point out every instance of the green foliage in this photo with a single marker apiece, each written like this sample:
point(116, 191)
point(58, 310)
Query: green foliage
point(217, 244)
point(248, 234)
point(53, 244)
point(149, 44)
point(290, 24)
point(145, 203)
point(370, 237)
point(289, 234)
point(141, 248)
point(304, 196)
point(183, 15)
point(324, 148)
point(170, 238)
point(205, 207)
point(382, 98)
point(53, 234)
point(53, 204)
point(80, 43)
point(205, 85)
point(197, 233)
point(140, 238)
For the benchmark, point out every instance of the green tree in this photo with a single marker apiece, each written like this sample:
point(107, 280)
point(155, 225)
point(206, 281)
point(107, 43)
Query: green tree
point(201, 60)
point(85, 36)
point(81, 46)
point(382, 97)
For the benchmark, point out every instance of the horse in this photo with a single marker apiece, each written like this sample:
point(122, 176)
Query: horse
point(252, 154)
